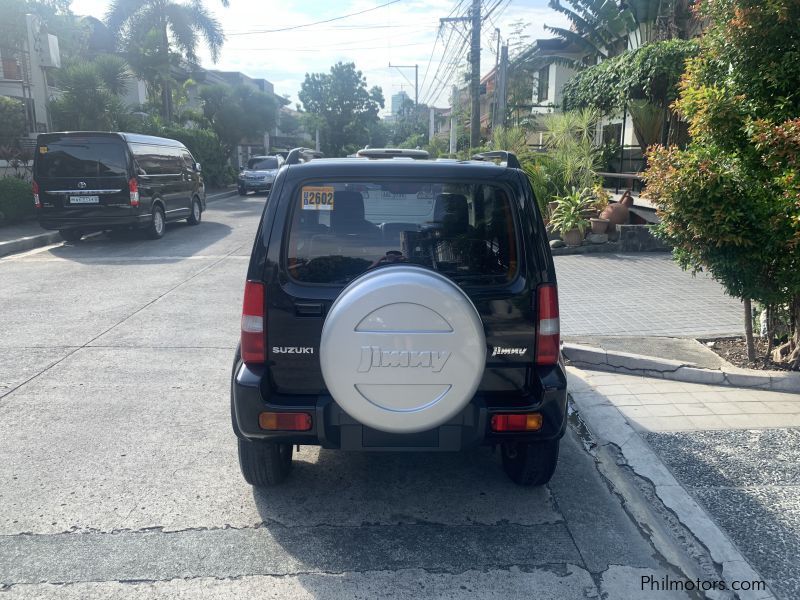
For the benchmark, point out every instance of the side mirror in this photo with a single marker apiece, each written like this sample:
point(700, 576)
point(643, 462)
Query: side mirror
point(197, 167)
point(241, 168)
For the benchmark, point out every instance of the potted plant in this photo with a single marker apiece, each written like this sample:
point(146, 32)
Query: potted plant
point(601, 199)
point(569, 216)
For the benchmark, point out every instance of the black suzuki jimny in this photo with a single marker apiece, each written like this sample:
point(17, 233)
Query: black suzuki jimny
point(398, 303)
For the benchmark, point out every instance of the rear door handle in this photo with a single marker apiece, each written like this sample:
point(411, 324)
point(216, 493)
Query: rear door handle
point(308, 309)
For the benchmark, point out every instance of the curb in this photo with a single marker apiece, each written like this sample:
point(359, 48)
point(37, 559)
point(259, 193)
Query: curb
point(597, 359)
point(609, 426)
point(53, 237)
point(29, 243)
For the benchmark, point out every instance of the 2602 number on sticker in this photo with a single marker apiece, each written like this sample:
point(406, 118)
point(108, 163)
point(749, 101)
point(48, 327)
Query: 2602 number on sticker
point(317, 198)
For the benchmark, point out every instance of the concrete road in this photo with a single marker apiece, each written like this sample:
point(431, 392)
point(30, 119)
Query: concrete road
point(120, 478)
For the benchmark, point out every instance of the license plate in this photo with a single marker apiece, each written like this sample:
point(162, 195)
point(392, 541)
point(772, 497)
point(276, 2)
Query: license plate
point(84, 199)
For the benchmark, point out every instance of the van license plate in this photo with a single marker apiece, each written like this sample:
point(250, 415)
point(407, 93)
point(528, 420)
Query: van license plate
point(84, 199)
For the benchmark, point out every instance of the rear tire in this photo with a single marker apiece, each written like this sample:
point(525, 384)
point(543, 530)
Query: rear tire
point(197, 213)
point(71, 235)
point(155, 229)
point(264, 463)
point(532, 463)
point(242, 191)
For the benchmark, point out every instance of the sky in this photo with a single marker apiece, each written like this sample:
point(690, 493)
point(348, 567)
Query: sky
point(401, 32)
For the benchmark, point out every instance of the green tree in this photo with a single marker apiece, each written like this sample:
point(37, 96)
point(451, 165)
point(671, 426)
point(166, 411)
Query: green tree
point(730, 201)
point(91, 95)
point(12, 120)
point(238, 113)
point(342, 106)
point(154, 30)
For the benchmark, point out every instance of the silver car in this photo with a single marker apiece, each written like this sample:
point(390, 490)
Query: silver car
point(259, 174)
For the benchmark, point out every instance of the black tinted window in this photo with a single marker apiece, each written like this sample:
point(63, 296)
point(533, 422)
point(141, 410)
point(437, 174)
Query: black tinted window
point(81, 157)
point(263, 164)
point(339, 230)
point(157, 160)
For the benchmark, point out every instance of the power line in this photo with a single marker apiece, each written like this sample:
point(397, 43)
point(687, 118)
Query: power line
point(333, 49)
point(361, 12)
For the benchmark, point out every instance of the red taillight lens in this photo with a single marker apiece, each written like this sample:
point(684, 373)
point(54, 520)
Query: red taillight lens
point(548, 329)
point(253, 334)
point(36, 202)
point(517, 422)
point(282, 421)
point(133, 188)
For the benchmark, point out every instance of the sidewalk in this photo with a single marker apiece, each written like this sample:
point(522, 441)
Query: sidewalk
point(30, 235)
point(736, 452)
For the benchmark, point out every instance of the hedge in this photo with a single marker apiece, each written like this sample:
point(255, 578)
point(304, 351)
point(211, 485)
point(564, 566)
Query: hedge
point(207, 150)
point(16, 200)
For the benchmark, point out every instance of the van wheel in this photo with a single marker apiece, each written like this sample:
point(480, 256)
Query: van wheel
point(71, 235)
point(264, 463)
point(242, 191)
point(532, 463)
point(155, 229)
point(197, 213)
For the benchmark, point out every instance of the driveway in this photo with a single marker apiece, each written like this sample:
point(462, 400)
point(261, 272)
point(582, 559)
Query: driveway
point(120, 476)
point(642, 295)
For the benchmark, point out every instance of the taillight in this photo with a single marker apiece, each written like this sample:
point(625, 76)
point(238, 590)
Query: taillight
point(516, 422)
point(548, 329)
point(253, 335)
point(133, 188)
point(36, 202)
point(285, 421)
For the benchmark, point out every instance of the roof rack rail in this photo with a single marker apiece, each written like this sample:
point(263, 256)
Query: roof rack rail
point(416, 154)
point(301, 155)
point(509, 158)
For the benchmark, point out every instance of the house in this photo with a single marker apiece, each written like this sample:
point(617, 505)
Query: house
point(26, 75)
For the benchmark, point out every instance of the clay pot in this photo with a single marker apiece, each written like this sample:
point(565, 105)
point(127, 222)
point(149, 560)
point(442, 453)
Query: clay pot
point(599, 226)
point(572, 238)
point(618, 213)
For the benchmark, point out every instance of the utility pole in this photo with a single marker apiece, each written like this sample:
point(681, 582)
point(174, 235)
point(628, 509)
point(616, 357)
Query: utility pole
point(454, 122)
point(475, 83)
point(416, 79)
point(431, 124)
point(501, 88)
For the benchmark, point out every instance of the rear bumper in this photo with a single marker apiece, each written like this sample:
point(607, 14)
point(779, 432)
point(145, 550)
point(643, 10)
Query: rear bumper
point(255, 186)
point(63, 221)
point(333, 428)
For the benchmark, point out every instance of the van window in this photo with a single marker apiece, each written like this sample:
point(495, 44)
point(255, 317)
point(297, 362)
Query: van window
point(81, 157)
point(157, 160)
point(339, 230)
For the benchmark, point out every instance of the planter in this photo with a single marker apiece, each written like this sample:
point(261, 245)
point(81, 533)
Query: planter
point(599, 225)
point(573, 238)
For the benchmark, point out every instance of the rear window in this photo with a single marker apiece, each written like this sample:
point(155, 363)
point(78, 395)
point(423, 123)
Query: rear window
point(339, 230)
point(262, 164)
point(81, 157)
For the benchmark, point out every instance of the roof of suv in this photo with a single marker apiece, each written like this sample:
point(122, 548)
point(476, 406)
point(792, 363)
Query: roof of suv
point(392, 167)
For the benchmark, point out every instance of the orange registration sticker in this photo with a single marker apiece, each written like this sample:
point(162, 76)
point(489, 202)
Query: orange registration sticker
point(42, 149)
point(317, 198)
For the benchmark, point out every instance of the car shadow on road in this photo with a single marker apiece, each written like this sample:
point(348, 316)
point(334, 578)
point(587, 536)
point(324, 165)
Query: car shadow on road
point(330, 487)
point(180, 241)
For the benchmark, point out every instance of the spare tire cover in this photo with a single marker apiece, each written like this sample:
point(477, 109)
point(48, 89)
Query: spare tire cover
point(402, 349)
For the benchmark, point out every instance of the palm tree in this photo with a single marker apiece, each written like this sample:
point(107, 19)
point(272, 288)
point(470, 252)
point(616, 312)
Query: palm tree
point(600, 28)
point(162, 26)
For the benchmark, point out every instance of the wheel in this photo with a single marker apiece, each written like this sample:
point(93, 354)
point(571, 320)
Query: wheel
point(264, 463)
point(71, 235)
point(242, 191)
point(530, 464)
point(155, 229)
point(197, 213)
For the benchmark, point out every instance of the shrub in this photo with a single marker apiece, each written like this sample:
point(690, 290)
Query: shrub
point(207, 150)
point(12, 120)
point(16, 200)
